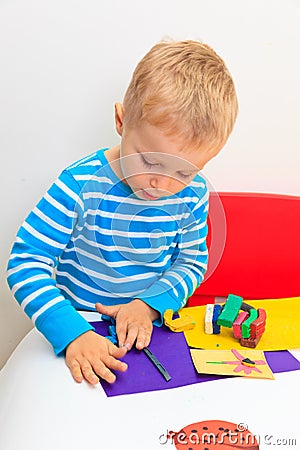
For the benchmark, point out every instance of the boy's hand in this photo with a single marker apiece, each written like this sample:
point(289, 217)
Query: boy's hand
point(91, 356)
point(133, 322)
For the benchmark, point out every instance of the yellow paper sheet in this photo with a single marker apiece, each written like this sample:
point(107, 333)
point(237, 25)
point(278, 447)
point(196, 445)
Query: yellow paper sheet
point(282, 327)
point(208, 361)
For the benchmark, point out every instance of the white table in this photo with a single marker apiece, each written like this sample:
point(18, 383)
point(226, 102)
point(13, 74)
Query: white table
point(42, 408)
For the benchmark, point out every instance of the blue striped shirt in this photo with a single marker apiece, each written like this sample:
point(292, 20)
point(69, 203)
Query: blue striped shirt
point(91, 239)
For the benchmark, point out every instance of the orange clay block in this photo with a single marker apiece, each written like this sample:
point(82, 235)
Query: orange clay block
point(237, 329)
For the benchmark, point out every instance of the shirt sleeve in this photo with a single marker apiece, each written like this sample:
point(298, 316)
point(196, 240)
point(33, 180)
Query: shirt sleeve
point(39, 243)
point(176, 285)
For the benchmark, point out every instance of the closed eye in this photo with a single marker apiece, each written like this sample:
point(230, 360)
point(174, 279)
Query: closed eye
point(147, 163)
point(184, 175)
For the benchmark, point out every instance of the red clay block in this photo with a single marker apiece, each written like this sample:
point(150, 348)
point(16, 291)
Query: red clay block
point(250, 343)
point(260, 321)
point(237, 329)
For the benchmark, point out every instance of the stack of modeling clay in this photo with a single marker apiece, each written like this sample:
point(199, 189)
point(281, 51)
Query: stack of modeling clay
point(248, 323)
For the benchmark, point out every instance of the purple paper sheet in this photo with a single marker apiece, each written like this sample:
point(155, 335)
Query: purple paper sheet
point(173, 352)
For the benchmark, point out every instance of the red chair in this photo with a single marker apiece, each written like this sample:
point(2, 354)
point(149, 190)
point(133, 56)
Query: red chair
point(254, 247)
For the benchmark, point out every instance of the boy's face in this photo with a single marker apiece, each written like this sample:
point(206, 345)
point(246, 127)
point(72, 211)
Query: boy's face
point(155, 165)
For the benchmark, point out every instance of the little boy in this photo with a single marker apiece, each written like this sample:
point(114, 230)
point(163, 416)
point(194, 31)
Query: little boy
point(124, 229)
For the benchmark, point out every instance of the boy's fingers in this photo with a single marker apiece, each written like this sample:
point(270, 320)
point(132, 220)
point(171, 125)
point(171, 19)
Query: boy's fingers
point(103, 372)
point(110, 311)
point(102, 369)
point(122, 334)
point(75, 370)
point(117, 352)
point(94, 361)
point(140, 334)
point(89, 373)
point(143, 338)
point(132, 332)
point(115, 364)
point(95, 368)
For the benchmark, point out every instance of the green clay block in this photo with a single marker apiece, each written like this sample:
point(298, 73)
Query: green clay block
point(230, 311)
point(253, 314)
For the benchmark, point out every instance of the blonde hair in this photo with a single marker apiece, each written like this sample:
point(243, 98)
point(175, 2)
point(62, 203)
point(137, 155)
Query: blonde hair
point(185, 89)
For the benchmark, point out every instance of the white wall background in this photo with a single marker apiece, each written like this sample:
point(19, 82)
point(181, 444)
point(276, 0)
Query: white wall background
point(63, 64)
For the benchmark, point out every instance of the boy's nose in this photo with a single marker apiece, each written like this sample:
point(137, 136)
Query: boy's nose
point(161, 183)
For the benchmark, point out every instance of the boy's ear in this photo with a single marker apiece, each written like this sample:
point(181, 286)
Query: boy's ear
point(119, 118)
